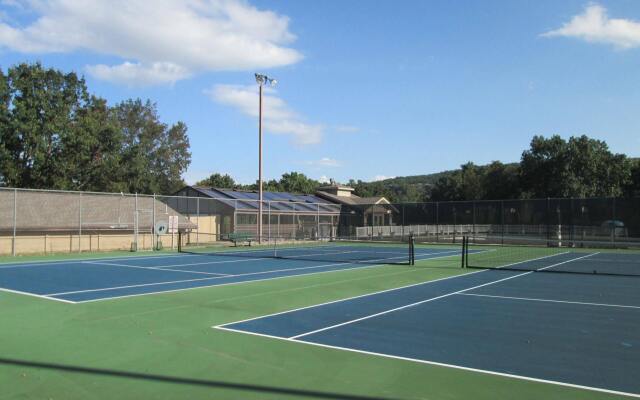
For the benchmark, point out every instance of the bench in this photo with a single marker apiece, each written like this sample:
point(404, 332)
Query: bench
point(237, 238)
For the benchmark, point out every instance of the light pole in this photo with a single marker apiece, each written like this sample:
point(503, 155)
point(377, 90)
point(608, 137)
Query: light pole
point(261, 80)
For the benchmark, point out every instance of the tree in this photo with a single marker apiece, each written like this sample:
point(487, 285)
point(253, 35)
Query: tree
point(463, 184)
point(154, 156)
point(217, 180)
point(581, 167)
point(296, 182)
point(633, 186)
point(501, 181)
point(39, 109)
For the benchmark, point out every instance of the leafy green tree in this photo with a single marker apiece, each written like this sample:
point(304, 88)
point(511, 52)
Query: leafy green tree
point(7, 168)
point(463, 184)
point(501, 181)
point(154, 155)
point(296, 182)
point(42, 108)
point(633, 186)
point(581, 167)
point(217, 180)
point(94, 150)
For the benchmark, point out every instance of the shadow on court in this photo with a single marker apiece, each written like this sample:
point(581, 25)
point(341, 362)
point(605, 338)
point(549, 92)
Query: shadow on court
point(186, 381)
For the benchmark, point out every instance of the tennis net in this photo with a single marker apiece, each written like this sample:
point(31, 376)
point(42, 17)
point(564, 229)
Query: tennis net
point(552, 255)
point(331, 250)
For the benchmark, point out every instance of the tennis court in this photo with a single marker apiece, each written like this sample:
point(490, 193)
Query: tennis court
point(107, 278)
point(572, 329)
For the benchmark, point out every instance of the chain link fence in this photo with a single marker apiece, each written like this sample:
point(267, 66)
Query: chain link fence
point(42, 221)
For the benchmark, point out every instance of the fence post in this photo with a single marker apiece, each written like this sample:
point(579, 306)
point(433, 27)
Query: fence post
point(15, 221)
point(473, 233)
point(613, 221)
point(502, 220)
point(154, 234)
point(135, 222)
point(80, 223)
point(437, 221)
point(198, 219)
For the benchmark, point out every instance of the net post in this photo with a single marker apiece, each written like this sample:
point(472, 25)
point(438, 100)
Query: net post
point(412, 249)
point(180, 241)
point(465, 245)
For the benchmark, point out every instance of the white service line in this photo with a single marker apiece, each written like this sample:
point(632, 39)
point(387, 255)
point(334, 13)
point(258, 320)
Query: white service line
point(354, 266)
point(439, 364)
point(582, 303)
point(431, 299)
point(46, 263)
point(153, 268)
point(199, 279)
point(37, 295)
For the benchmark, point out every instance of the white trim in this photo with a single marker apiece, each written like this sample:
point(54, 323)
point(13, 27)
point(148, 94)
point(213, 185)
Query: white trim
point(227, 284)
point(439, 364)
point(326, 328)
point(35, 263)
point(434, 298)
point(216, 277)
point(551, 301)
point(37, 295)
point(349, 298)
point(153, 268)
point(259, 280)
point(199, 279)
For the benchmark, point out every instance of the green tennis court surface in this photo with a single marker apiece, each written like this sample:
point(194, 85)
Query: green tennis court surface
point(162, 346)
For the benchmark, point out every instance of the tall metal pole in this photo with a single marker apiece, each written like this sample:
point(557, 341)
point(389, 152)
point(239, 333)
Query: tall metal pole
point(260, 168)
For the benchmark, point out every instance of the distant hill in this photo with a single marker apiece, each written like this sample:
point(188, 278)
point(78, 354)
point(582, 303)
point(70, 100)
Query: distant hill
point(414, 188)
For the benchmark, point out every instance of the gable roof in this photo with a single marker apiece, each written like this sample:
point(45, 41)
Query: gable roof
point(242, 200)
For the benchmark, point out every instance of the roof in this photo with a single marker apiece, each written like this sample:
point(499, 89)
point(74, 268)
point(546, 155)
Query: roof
point(242, 200)
point(39, 210)
point(352, 200)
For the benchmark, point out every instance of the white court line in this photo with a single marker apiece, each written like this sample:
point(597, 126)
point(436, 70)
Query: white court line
point(204, 279)
point(551, 301)
point(346, 299)
point(37, 295)
point(153, 268)
point(432, 299)
point(36, 263)
point(438, 364)
point(358, 266)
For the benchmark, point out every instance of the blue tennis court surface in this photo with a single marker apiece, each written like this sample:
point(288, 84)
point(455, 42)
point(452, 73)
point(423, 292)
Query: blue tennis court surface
point(89, 280)
point(567, 329)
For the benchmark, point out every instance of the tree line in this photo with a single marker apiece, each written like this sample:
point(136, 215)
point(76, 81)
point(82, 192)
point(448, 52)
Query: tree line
point(551, 167)
point(54, 134)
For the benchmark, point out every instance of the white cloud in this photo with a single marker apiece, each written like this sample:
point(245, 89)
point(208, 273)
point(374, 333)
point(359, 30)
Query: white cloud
point(278, 118)
point(324, 179)
point(138, 74)
point(346, 128)
point(382, 177)
point(325, 162)
point(162, 40)
point(594, 25)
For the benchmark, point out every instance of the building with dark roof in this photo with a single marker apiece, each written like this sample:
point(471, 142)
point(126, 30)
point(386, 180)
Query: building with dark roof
point(285, 215)
point(374, 211)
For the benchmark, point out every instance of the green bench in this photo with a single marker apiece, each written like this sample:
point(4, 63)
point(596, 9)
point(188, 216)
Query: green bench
point(237, 238)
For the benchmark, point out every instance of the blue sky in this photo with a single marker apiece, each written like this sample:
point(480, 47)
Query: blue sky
point(366, 89)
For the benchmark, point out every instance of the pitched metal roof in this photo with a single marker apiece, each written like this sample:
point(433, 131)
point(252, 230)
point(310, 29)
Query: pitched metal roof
point(242, 200)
